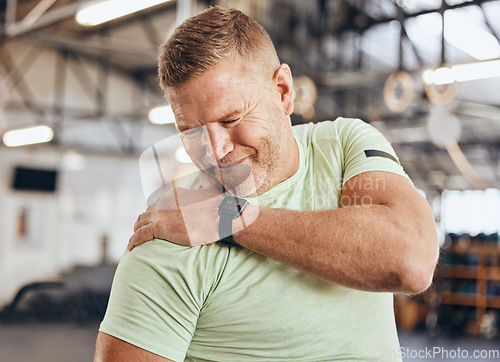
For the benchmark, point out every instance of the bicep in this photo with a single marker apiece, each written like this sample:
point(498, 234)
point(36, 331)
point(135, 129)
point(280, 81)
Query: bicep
point(403, 202)
point(155, 299)
point(379, 187)
point(365, 149)
point(111, 349)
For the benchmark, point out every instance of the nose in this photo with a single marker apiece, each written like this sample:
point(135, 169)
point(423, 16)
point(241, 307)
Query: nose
point(220, 140)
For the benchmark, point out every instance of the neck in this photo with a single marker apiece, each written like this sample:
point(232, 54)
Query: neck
point(290, 161)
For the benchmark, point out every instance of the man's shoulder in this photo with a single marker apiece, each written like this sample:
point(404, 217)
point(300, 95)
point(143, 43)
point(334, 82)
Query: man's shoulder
point(158, 249)
point(158, 291)
point(343, 131)
point(327, 128)
point(163, 259)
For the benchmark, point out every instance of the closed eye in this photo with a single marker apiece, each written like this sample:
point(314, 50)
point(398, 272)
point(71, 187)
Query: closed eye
point(231, 122)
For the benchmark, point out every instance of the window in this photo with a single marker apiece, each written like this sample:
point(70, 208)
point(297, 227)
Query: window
point(470, 212)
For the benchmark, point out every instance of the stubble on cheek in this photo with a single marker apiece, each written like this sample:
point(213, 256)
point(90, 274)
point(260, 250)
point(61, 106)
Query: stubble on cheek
point(263, 170)
point(268, 164)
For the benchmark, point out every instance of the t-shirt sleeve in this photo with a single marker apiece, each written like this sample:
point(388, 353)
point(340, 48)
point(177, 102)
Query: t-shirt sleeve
point(365, 149)
point(156, 298)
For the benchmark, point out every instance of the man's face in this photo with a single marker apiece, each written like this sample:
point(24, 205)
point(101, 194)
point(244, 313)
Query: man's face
point(234, 128)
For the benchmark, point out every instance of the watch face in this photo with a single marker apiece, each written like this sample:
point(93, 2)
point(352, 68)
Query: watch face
point(232, 206)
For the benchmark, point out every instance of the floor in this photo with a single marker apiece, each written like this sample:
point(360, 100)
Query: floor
point(47, 343)
point(417, 346)
point(64, 343)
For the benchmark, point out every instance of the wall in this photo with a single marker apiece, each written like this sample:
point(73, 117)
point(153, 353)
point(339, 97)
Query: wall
point(96, 196)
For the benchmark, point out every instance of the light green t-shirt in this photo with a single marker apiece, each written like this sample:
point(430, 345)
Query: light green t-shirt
point(221, 303)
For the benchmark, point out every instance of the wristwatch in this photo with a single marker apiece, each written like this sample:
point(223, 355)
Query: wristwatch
point(229, 209)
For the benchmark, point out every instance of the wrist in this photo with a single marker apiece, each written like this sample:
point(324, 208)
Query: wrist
point(242, 224)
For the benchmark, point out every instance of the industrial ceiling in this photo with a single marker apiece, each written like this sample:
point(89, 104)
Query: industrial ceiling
point(95, 85)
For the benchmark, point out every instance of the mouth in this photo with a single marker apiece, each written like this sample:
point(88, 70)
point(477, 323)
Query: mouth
point(224, 165)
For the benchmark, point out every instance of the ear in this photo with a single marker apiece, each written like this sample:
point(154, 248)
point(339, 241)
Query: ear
point(284, 85)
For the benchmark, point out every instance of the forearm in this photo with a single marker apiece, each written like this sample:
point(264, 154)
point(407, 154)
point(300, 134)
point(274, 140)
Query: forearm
point(385, 241)
point(365, 247)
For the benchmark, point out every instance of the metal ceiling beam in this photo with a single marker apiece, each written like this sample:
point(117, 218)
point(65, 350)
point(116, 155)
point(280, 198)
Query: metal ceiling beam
point(414, 48)
point(371, 22)
point(445, 6)
point(37, 12)
point(78, 114)
point(146, 70)
point(488, 24)
point(10, 13)
point(342, 80)
point(133, 50)
point(92, 89)
point(184, 9)
point(14, 70)
point(15, 29)
point(59, 92)
point(151, 33)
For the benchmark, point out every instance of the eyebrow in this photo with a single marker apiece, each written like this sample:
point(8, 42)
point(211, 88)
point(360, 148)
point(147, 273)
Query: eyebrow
point(231, 114)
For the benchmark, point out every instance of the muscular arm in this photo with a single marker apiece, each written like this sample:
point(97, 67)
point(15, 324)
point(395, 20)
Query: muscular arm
point(382, 238)
point(111, 349)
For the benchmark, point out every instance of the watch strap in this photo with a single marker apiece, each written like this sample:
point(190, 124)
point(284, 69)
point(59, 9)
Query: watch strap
point(226, 228)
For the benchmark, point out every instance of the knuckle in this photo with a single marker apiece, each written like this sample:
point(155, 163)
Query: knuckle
point(142, 231)
point(153, 230)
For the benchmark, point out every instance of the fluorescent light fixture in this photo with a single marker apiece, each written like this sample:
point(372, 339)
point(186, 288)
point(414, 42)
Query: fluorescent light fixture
point(475, 71)
point(99, 12)
point(182, 156)
point(161, 115)
point(28, 136)
point(462, 72)
point(443, 75)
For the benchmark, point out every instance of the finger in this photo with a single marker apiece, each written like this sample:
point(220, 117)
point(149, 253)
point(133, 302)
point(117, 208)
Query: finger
point(143, 219)
point(143, 234)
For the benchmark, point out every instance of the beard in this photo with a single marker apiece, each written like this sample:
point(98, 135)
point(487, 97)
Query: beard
point(243, 180)
point(238, 179)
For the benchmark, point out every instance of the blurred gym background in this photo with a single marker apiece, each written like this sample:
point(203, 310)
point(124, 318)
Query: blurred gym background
point(80, 108)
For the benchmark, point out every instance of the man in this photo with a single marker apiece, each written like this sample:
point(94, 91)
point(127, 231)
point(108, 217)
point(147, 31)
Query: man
point(331, 225)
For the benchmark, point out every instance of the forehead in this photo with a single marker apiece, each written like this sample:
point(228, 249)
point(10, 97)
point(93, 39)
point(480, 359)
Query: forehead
point(228, 86)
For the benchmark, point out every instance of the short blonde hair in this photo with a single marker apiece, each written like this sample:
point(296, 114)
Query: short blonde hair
point(202, 41)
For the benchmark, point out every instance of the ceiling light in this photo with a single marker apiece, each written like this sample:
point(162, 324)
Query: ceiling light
point(443, 75)
point(99, 12)
point(475, 71)
point(28, 136)
point(161, 115)
point(462, 72)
